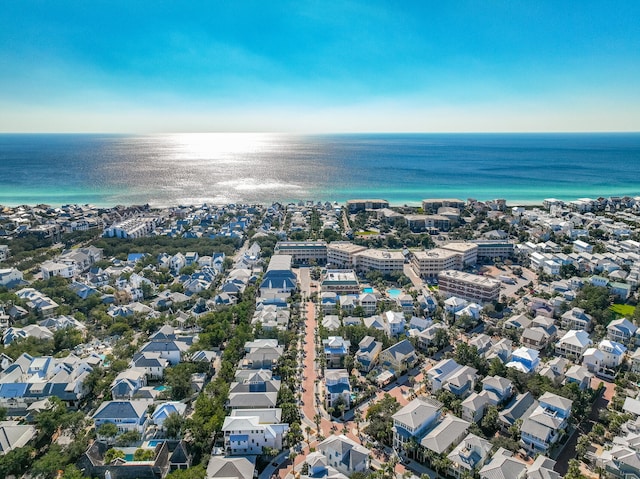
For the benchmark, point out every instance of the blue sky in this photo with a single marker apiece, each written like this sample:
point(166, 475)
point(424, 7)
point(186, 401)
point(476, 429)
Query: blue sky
point(319, 66)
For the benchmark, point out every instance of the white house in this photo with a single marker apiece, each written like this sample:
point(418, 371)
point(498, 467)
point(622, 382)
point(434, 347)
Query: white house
point(245, 435)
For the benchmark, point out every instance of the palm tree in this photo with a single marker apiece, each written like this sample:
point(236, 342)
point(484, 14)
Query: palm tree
point(308, 431)
point(357, 418)
point(317, 419)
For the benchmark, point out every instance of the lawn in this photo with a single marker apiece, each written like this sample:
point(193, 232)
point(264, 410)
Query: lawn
point(623, 309)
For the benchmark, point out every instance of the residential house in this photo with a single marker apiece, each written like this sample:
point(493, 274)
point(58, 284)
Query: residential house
point(573, 344)
point(399, 357)
point(519, 407)
point(14, 435)
point(576, 318)
point(622, 331)
point(127, 383)
point(164, 410)
point(448, 433)
point(579, 375)
point(411, 423)
point(335, 349)
point(245, 435)
point(337, 388)
point(152, 364)
point(230, 467)
point(126, 415)
point(345, 455)
point(468, 456)
point(394, 323)
point(368, 351)
point(544, 426)
point(524, 359)
point(503, 465)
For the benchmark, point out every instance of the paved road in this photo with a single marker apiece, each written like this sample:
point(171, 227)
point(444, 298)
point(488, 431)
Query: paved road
point(411, 274)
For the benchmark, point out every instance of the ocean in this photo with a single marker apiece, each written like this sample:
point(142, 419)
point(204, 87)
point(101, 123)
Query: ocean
point(174, 169)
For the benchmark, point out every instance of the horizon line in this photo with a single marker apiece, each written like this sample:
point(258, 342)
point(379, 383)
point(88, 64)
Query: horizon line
point(294, 133)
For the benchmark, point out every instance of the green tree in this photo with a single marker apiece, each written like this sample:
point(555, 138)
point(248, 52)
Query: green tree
point(489, 423)
point(128, 438)
point(173, 425)
point(113, 454)
point(67, 338)
point(144, 454)
point(72, 472)
point(195, 472)
point(574, 470)
point(379, 418)
point(108, 429)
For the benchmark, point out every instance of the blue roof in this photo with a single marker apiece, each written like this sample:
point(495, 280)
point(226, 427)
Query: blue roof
point(338, 388)
point(135, 256)
point(13, 390)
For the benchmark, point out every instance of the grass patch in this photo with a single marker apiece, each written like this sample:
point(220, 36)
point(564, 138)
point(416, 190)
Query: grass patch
point(623, 309)
point(366, 233)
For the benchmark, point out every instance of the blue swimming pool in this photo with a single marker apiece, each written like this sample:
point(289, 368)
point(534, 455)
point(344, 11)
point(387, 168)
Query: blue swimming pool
point(367, 290)
point(155, 442)
point(160, 388)
point(394, 293)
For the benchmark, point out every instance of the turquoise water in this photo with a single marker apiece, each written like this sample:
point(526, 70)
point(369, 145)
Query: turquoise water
point(155, 442)
point(220, 168)
point(160, 388)
point(367, 290)
point(394, 293)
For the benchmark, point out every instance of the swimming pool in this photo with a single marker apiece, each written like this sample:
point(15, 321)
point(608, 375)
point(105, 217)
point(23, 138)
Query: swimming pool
point(367, 290)
point(155, 442)
point(160, 388)
point(394, 293)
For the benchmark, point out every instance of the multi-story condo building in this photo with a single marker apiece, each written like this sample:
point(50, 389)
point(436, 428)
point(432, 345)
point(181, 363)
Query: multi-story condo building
point(543, 427)
point(494, 249)
point(433, 204)
point(468, 252)
point(353, 206)
point(341, 254)
point(468, 286)
point(303, 252)
point(429, 263)
point(379, 260)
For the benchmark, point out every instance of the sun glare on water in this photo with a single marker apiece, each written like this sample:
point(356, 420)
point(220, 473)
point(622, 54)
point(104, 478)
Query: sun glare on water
point(219, 146)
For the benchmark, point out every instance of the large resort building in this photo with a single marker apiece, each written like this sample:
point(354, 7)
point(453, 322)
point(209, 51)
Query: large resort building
point(303, 252)
point(341, 254)
point(353, 206)
point(432, 205)
point(379, 260)
point(468, 286)
point(429, 263)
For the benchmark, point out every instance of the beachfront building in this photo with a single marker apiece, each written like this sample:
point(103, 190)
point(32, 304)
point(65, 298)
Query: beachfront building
point(353, 206)
point(303, 252)
point(432, 205)
point(468, 286)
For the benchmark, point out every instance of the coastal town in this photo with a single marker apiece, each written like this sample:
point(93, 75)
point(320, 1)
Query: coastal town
point(455, 339)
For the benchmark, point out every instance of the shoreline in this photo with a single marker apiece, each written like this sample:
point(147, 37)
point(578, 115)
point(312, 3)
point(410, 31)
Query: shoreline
point(411, 204)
